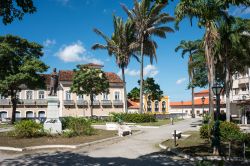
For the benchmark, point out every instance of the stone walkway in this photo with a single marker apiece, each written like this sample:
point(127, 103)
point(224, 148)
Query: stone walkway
point(139, 149)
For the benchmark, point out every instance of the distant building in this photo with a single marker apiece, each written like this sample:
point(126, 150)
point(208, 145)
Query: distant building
point(32, 102)
point(156, 107)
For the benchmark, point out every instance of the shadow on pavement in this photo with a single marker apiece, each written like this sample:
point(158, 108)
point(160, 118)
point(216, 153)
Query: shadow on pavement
point(69, 158)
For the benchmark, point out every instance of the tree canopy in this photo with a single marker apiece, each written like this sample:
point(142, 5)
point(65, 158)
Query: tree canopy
point(20, 64)
point(134, 94)
point(11, 9)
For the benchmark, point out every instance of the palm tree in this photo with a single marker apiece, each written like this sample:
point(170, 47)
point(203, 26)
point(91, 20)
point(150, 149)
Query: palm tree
point(120, 46)
point(148, 21)
point(190, 47)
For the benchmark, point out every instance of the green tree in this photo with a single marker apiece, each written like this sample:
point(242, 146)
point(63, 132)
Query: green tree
point(151, 89)
point(119, 46)
point(20, 64)
point(149, 21)
point(89, 81)
point(134, 94)
point(190, 48)
point(11, 9)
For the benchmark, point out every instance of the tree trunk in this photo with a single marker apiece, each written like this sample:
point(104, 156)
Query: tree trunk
point(141, 80)
point(125, 91)
point(227, 89)
point(193, 101)
point(91, 105)
point(14, 105)
point(229, 150)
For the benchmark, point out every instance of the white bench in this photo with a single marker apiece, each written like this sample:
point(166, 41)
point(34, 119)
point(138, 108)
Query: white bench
point(124, 130)
point(111, 126)
point(178, 134)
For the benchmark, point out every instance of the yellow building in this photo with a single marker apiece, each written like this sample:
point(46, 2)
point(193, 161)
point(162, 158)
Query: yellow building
point(156, 107)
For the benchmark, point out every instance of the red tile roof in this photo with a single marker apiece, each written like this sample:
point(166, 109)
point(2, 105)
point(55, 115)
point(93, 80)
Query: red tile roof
point(203, 92)
point(46, 78)
point(189, 103)
point(67, 75)
point(133, 104)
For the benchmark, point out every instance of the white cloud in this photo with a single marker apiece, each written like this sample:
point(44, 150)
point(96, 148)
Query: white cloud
point(148, 71)
point(242, 10)
point(180, 81)
point(76, 52)
point(49, 42)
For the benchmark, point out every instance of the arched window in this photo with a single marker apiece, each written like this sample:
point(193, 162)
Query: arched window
point(29, 94)
point(3, 114)
point(156, 106)
point(41, 94)
point(149, 106)
point(41, 114)
point(29, 114)
point(163, 106)
point(18, 114)
point(68, 95)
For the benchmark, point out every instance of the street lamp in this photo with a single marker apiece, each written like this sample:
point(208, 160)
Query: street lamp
point(203, 100)
point(244, 109)
point(182, 109)
point(216, 129)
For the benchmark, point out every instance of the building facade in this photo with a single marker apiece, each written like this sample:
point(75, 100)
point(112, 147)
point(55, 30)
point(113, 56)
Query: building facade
point(156, 107)
point(33, 104)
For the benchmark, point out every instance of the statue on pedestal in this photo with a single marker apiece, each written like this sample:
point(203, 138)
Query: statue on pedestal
point(53, 83)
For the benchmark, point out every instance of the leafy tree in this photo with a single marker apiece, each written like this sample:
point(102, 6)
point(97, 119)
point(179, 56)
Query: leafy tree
point(134, 94)
point(11, 9)
point(20, 64)
point(190, 48)
point(151, 89)
point(89, 81)
point(120, 46)
point(149, 21)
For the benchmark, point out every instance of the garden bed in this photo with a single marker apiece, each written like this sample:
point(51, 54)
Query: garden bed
point(6, 140)
point(196, 146)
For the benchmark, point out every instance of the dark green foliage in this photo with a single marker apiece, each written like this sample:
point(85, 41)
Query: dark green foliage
point(152, 89)
point(229, 131)
point(77, 126)
point(11, 9)
point(133, 117)
point(28, 129)
point(204, 131)
point(206, 118)
point(134, 94)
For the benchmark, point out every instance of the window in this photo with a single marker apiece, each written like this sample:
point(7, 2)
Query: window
point(236, 91)
point(17, 114)
point(3, 114)
point(163, 106)
point(41, 95)
point(41, 114)
point(29, 114)
point(2, 97)
point(29, 94)
point(156, 106)
point(197, 112)
point(68, 95)
point(149, 106)
point(18, 95)
point(80, 97)
point(94, 97)
point(243, 89)
point(105, 96)
point(117, 95)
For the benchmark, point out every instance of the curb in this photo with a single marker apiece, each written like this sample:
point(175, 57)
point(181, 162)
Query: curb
point(198, 158)
point(147, 127)
point(30, 148)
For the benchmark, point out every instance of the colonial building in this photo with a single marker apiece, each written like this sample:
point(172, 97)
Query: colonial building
point(32, 102)
point(157, 107)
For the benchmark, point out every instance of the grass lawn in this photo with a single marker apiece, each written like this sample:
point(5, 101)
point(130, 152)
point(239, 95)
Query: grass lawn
point(5, 125)
point(195, 146)
point(159, 122)
point(6, 140)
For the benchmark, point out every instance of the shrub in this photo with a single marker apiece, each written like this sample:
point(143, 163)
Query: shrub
point(65, 122)
point(133, 117)
point(68, 133)
point(205, 131)
point(206, 118)
point(28, 128)
point(229, 131)
point(79, 126)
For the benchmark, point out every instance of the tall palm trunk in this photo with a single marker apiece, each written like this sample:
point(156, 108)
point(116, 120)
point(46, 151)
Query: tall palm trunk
point(192, 101)
point(14, 105)
point(125, 90)
point(141, 79)
point(91, 105)
point(227, 88)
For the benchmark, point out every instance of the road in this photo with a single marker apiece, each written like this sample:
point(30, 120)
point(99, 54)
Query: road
point(141, 149)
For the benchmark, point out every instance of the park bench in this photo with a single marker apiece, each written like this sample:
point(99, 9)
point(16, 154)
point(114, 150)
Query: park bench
point(124, 130)
point(178, 134)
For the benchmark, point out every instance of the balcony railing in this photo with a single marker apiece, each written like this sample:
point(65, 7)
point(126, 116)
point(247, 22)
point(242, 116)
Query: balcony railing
point(68, 102)
point(106, 102)
point(243, 80)
point(82, 102)
point(41, 102)
point(29, 102)
point(5, 102)
point(117, 102)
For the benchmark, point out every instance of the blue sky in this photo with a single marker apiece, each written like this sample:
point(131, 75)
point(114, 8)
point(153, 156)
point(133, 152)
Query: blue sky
point(65, 28)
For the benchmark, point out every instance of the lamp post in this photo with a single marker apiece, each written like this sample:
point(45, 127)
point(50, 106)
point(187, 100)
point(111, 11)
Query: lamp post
point(182, 108)
point(244, 110)
point(216, 130)
point(203, 100)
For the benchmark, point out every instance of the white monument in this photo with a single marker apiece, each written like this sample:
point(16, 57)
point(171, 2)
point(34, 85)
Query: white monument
point(53, 123)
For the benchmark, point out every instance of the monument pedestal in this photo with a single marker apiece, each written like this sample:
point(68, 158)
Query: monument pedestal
point(52, 123)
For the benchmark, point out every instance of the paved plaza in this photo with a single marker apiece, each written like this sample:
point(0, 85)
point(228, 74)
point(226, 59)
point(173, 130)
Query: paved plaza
point(141, 149)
